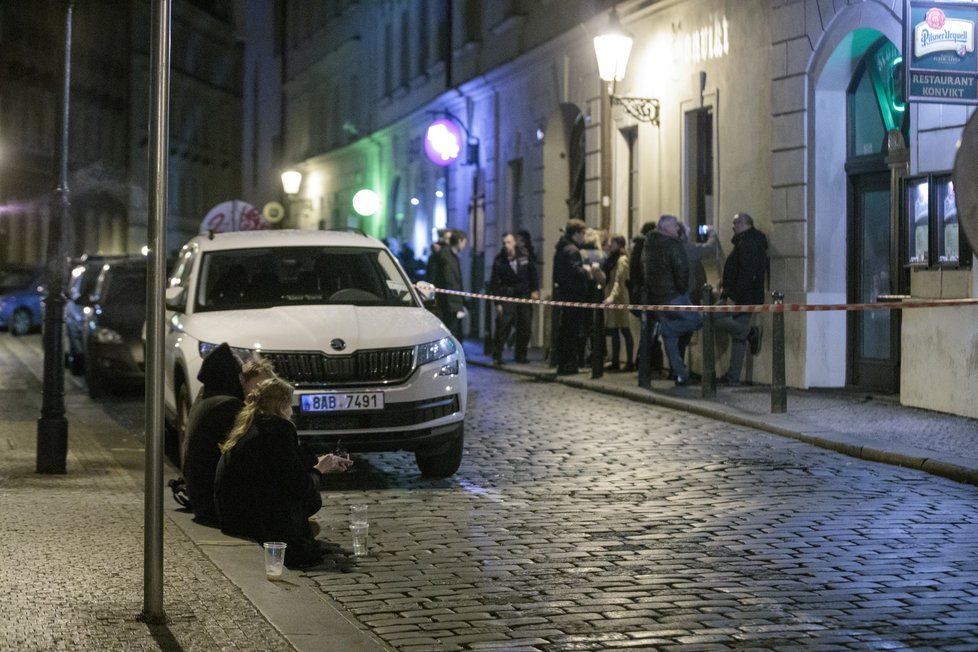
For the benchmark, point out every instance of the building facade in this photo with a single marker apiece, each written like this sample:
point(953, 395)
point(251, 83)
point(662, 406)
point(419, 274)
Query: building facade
point(789, 110)
point(109, 121)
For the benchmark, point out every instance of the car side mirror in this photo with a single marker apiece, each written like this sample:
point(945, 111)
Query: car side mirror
point(427, 292)
point(175, 299)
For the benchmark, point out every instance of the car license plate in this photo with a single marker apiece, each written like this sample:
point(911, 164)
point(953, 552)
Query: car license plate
point(335, 402)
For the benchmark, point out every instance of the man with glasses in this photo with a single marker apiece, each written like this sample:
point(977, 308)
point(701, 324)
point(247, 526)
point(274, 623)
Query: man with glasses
point(742, 284)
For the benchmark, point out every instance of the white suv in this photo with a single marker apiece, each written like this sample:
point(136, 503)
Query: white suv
point(337, 316)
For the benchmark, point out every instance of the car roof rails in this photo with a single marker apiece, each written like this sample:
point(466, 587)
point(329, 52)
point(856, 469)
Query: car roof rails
point(350, 229)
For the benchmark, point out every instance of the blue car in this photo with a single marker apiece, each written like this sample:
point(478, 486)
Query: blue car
point(21, 293)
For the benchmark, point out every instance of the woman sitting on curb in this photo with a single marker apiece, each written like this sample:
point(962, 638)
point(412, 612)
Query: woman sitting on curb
point(266, 486)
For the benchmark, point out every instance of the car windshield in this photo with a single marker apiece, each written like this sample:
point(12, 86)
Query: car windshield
point(284, 276)
point(12, 280)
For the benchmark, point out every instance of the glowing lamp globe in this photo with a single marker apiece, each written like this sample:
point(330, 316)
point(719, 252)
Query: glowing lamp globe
point(366, 202)
point(443, 142)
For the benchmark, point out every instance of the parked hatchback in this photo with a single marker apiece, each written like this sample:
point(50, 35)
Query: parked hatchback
point(113, 327)
point(337, 316)
point(81, 284)
point(21, 294)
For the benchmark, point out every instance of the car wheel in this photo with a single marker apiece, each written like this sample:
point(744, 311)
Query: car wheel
point(446, 462)
point(21, 322)
point(94, 383)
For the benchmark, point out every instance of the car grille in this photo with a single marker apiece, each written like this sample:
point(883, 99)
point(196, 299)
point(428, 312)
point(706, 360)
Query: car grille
point(361, 368)
point(394, 415)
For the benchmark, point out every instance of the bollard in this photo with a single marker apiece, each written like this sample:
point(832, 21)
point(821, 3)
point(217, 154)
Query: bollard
point(597, 345)
point(709, 387)
point(489, 311)
point(779, 393)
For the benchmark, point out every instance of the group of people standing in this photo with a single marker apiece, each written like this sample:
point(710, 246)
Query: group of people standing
point(243, 466)
point(663, 268)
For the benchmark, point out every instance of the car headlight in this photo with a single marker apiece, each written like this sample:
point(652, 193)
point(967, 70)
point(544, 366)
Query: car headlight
point(107, 336)
point(242, 354)
point(435, 350)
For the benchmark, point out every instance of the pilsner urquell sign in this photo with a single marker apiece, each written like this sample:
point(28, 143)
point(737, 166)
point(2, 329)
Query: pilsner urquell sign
point(942, 65)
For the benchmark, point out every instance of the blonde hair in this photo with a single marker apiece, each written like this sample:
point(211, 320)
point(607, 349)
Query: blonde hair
point(257, 367)
point(272, 396)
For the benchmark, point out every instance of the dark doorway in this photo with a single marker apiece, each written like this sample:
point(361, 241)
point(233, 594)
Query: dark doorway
point(874, 335)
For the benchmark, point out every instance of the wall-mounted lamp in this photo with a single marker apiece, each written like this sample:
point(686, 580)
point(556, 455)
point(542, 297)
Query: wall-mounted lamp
point(291, 182)
point(612, 48)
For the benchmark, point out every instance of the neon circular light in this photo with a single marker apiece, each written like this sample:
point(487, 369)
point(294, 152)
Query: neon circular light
point(366, 202)
point(443, 142)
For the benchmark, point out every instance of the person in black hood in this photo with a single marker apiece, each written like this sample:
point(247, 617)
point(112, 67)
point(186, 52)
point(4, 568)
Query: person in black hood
point(210, 420)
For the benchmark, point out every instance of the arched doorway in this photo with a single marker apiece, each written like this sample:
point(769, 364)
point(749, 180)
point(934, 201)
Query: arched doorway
point(855, 221)
point(873, 115)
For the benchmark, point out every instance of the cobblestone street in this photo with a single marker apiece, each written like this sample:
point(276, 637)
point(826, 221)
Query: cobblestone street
point(584, 522)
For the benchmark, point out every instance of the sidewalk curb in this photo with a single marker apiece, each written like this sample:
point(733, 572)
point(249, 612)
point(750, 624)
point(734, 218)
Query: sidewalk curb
point(781, 425)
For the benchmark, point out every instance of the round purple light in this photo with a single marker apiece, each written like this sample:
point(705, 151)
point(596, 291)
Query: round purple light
point(442, 142)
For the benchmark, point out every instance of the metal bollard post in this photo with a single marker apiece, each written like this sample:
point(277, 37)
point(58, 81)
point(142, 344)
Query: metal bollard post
point(597, 345)
point(709, 387)
point(489, 311)
point(779, 393)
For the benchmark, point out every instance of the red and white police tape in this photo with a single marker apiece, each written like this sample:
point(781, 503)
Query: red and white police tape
point(903, 304)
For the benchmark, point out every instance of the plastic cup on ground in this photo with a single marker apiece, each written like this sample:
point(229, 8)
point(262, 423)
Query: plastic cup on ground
point(358, 514)
point(274, 559)
point(359, 533)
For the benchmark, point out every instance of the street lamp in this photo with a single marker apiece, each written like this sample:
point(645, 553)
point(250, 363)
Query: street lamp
point(612, 48)
point(291, 182)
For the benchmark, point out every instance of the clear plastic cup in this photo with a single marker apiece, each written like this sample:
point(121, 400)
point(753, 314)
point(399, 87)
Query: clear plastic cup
point(359, 533)
point(274, 559)
point(358, 514)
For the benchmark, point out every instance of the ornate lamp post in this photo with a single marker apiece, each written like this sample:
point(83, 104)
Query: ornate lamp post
point(52, 427)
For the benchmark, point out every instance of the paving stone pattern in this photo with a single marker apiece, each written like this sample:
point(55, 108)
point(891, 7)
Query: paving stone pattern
point(71, 570)
point(580, 521)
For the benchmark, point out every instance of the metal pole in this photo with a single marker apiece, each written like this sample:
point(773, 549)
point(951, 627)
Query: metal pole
point(52, 427)
point(159, 154)
point(709, 388)
point(779, 392)
point(597, 345)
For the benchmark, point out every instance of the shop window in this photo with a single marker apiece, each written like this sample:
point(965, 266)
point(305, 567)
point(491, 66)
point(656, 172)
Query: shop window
point(931, 218)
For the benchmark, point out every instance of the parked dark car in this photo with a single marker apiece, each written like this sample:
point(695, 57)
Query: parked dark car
point(81, 284)
point(21, 293)
point(113, 327)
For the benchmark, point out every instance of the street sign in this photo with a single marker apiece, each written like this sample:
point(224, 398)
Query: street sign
point(965, 178)
point(939, 40)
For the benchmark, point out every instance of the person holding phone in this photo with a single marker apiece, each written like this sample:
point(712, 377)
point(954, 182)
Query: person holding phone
point(267, 486)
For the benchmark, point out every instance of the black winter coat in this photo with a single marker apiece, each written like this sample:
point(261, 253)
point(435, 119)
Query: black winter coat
point(208, 424)
point(744, 270)
point(446, 273)
point(507, 282)
point(266, 488)
point(570, 277)
point(666, 268)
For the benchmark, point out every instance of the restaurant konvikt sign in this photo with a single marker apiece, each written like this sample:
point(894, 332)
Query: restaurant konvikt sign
point(942, 65)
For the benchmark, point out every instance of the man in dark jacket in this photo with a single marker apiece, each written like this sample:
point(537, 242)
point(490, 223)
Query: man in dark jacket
point(742, 284)
point(446, 273)
point(570, 284)
point(210, 420)
point(513, 275)
point(649, 347)
point(666, 271)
